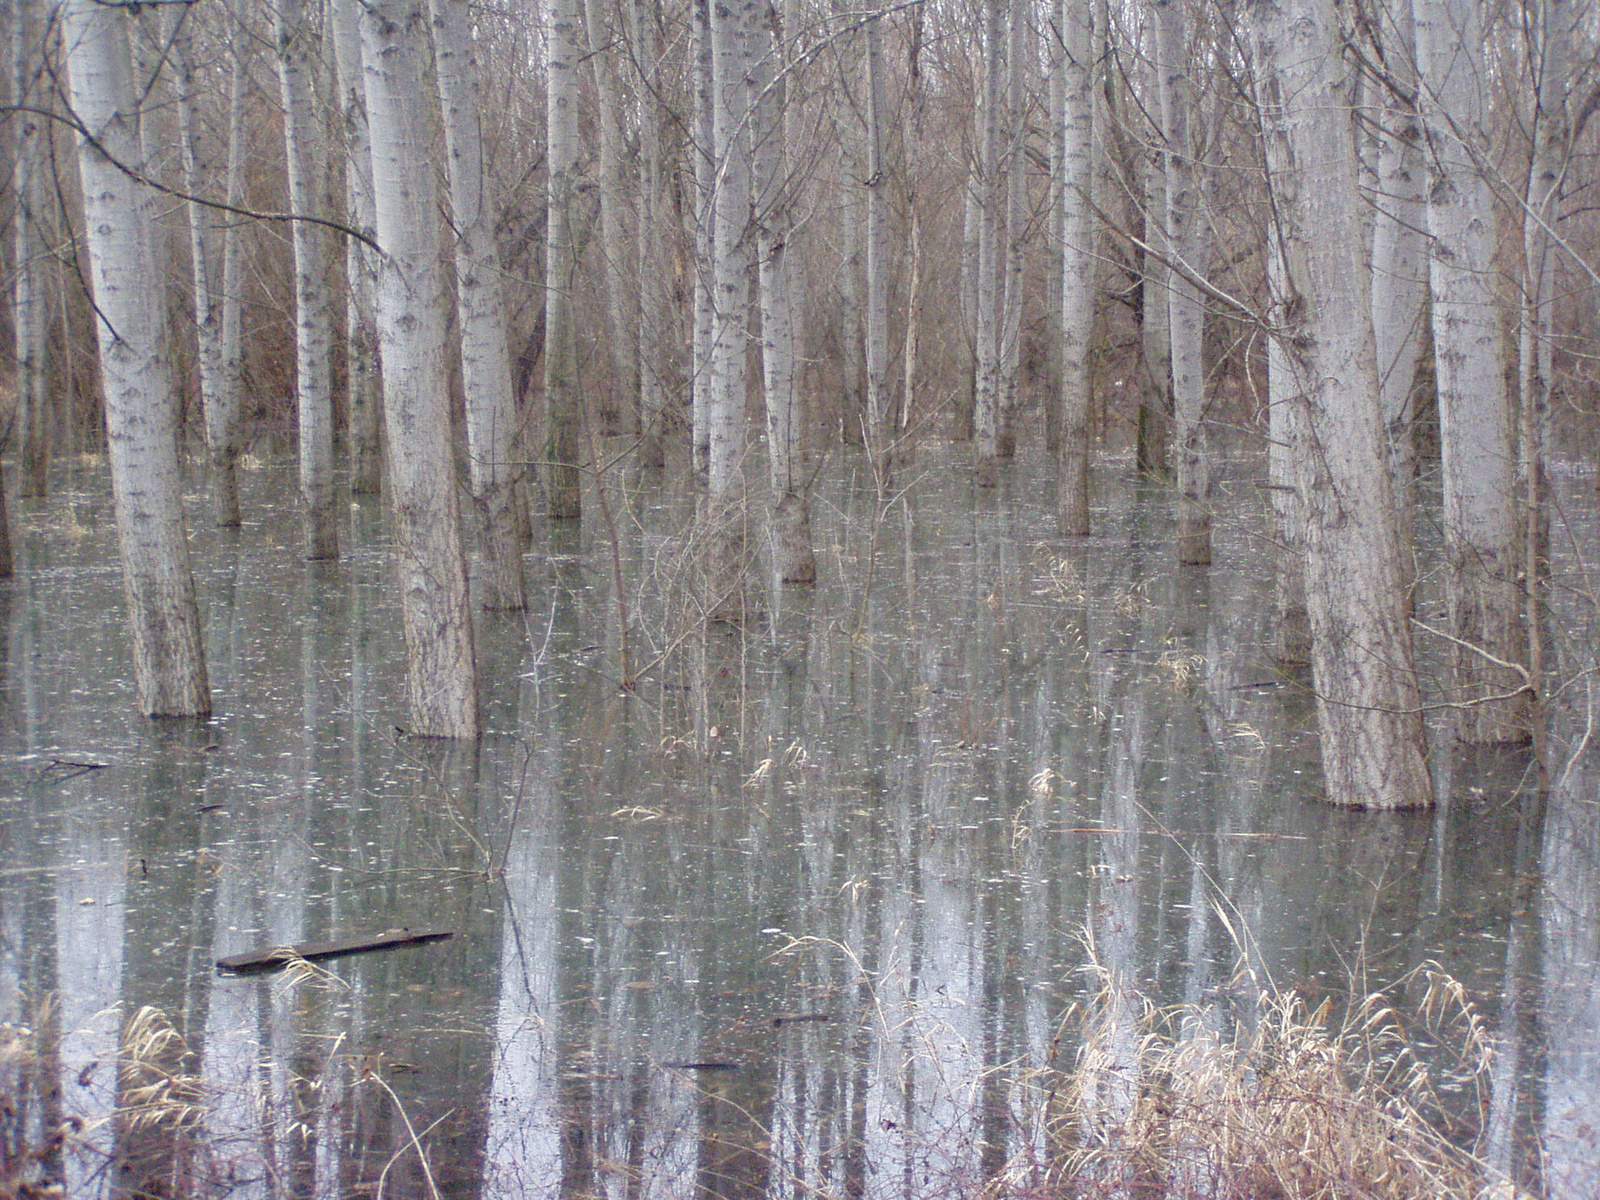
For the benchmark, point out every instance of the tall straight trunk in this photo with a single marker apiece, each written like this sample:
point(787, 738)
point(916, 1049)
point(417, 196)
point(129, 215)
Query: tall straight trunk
point(481, 313)
point(304, 140)
point(141, 401)
point(732, 59)
point(1400, 270)
point(1474, 411)
point(851, 130)
point(794, 558)
point(30, 295)
point(619, 409)
point(219, 362)
point(878, 432)
point(441, 667)
point(363, 386)
point(656, 310)
point(1155, 340)
point(1363, 670)
point(1076, 124)
point(987, 389)
point(1286, 442)
point(1015, 228)
point(705, 225)
point(963, 427)
point(1187, 242)
point(562, 419)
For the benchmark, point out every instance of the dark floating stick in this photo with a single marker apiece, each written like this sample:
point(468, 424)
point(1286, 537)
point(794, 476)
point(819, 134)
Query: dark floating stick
point(275, 958)
point(800, 1018)
point(702, 1066)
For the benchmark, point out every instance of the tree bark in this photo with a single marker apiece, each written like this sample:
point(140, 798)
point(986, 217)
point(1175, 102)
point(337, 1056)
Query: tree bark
point(441, 667)
point(480, 308)
point(619, 410)
point(141, 402)
point(30, 293)
point(987, 389)
point(561, 463)
point(1481, 545)
point(1076, 333)
point(878, 432)
point(1368, 707)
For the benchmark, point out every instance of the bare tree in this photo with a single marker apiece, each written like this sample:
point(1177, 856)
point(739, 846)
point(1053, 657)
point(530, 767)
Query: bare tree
point(562, 485)
point(1076, 124)
point(141, 401)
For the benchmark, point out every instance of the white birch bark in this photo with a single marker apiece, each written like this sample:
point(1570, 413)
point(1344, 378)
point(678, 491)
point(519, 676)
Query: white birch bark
point(560, 459)
point(705, 224)
point(491, 411)
point(1474, 410)
point(304, 142)
point(619, 409)
point(141, 401)
point(1399, 268)
point(971, 217)
point(987, 388)
point(657, 316)
point(441, 668)
point(364, 385)
point(1014, 227)
point(214, 304)
point(732, 60)
point(794, 559)
point(1155, 342)
point(1076, 124)
point(30, 306)
point(1188, 243)
point(880, 404)
point(1363, 670)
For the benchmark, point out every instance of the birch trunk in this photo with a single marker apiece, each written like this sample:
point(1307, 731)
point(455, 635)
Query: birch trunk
point(1155, 340)
point(1187, 243)
point(987, 388)
point(1474, 412)
point(141, 402)
point(1076, 121)
point(619, 412)
point(30, 295)
point(656, 312)
point(794, 558)
point(441, 668)
point(216, 307)
point(563, 486)
point(1368, 709)
point(303, 139)
point(964, 426)
point(491, 409)
point(1014, 237)
point(705, 225)
point(363, 385)
point(877, 433)
point(1400, 272)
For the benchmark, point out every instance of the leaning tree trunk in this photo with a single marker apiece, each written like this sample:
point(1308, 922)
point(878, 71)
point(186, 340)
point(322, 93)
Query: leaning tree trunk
point(313, 334)
point(562, 483)
point(363, 380)
point(1363, 670)
point(441, 668)
point(1076, 123)
point(1187, 243)
point(1474, 411)
point(480, 307)
point(794, 559)
point(141, 401)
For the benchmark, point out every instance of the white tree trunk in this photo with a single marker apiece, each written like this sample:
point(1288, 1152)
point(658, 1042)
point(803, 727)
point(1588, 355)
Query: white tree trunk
point(1363, 670)
point(1076, 122)
point(1015, 227)
point(481, 313)
point(441, 672)
point(30, 295)
point(364, 387)
point(794, 558)
point(619, 409)
point(880, 404)
point(1186, 242)
point(1155, 341)
point(1400, 269)
point(304, 139)
point(987, 388)
point(657, 312)
point(1474, 411)
point(562, 418)
point(214, 304)
point(141, 402)
point(705, 226)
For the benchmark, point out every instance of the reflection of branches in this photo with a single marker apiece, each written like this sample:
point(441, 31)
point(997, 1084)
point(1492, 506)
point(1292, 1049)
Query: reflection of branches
point(414, 1140)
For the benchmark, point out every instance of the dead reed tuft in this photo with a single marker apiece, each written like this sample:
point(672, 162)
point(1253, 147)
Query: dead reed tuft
point(1276, 1102)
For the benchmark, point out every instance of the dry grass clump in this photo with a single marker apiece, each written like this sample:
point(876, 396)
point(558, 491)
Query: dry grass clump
point(1278, 1103)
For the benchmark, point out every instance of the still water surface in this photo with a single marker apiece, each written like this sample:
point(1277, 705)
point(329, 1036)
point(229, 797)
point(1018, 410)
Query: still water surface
point(764, 928)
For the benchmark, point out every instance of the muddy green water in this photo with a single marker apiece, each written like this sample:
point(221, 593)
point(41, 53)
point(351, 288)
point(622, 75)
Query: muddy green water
point(764, 928)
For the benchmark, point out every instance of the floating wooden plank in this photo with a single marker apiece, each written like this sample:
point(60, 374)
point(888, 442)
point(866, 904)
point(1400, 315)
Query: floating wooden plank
point(275, 958)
